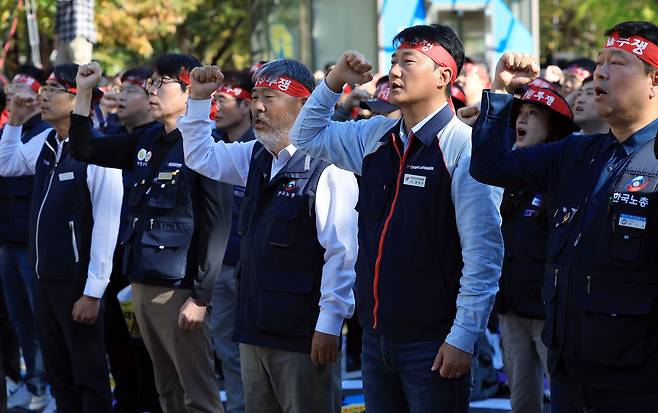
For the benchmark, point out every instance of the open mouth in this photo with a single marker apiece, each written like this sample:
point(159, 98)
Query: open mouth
point(598, 91)
point(259, 124)
point(578, 109)
point(521, 133)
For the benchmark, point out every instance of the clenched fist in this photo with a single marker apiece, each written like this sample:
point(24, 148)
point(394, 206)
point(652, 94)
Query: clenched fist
point(515, 70)
point(205, 80)
point(88, 76)
point(352, 67)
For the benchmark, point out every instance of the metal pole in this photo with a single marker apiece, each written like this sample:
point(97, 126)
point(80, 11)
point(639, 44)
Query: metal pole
point(33, 32)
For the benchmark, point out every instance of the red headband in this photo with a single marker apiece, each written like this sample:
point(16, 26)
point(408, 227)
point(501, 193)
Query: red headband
point(436, 52)
point(135, 80)
point(286, 85)
point(236, 92)
point(27, 80)
point(184, 76)
point(548, 98)
point(581, 72)
point(68, 87)
point(637, 45)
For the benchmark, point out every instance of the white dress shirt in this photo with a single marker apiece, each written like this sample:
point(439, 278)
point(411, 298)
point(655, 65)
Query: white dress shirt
point(106, 190)
point(336, 218)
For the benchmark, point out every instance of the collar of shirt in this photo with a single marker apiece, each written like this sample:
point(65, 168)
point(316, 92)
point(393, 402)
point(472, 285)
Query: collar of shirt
point(639, 138)
point(418, 126)
point(278, 162)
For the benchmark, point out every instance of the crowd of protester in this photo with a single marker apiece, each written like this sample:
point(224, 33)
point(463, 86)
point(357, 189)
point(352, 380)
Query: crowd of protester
point(176, 229)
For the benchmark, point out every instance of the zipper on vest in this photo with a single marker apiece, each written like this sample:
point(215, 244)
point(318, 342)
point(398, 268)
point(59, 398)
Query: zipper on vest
point(74, 241)
point(43, 202)
point(382, 237)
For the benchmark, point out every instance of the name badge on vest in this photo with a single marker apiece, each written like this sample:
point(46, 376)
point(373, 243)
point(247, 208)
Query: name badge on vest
point(632, 221)
point(66, 176)
point(414, 180)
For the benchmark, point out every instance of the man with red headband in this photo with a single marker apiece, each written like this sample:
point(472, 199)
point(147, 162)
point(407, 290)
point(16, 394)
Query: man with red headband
point(174, 238)
point(74, 220)
point(430, 247)
point(599, 290)
point(298, 245)
point(16, 272)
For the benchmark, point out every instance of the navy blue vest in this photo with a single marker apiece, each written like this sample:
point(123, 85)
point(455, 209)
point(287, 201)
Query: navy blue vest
point(281, 259)
point(601, 286)
point(16, 194)
point(409, 263)
point(160, 238)
point(61, 218)
point(525, 232)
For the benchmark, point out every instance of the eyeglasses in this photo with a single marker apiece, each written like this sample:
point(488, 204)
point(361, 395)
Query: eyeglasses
point(17, 88)
point(52, 90)
point(155, 83)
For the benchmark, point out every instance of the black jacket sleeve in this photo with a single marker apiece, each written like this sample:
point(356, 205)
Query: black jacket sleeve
point(113, 151)
point(214, 223)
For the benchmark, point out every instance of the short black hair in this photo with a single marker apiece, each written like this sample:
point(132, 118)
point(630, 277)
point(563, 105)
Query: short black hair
point(66, 73)
point(637, 28)
point(239, 78)
point(435, 33)
point(34, 72)
point(170, 64)
point(588, 80)
point(286, 67)
point(138, 72)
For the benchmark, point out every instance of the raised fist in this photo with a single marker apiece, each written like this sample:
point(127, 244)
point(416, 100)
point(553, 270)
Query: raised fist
point(469, 114)
point(205, 81)
point(88, 76)
point(352, 67)
point(515, 70)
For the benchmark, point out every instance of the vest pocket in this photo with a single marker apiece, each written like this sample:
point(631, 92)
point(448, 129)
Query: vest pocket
point(163, 195)
point(615, 327)
point(165, 244)
point(285, 305)
point(283, 231)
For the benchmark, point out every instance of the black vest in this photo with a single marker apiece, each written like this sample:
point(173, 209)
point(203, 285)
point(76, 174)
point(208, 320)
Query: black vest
point(160, 237)
point(525, 232)
point(409, 262)
point(281, 259)
point(61, 218)
point(16, 194)
point(601, 283)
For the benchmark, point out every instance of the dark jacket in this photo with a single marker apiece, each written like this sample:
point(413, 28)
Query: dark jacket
point(600, 289)
point(16, 194)
point(179, 220)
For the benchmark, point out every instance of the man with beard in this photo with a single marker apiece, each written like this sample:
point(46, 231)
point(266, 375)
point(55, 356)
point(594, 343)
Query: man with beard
point(298, 249)
point(599, 290)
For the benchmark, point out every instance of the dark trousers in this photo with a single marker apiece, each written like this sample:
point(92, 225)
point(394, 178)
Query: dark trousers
point(9, 353)
point(570, 395)
point(397, 378)
point(74, 353)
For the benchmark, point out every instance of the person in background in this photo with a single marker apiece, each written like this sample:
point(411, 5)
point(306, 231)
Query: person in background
point(16, 272)
point(584, 110)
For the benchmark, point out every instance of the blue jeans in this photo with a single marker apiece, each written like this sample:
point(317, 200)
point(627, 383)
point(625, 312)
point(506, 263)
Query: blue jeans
point(397, 378)
point(18, 281)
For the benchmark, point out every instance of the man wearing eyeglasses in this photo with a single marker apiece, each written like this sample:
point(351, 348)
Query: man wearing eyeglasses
point(73, 230)
point(176, 236)
point(16, 272)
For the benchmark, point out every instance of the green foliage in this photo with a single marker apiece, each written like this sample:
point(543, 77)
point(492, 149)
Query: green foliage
point(578, 26)
point(132, 32)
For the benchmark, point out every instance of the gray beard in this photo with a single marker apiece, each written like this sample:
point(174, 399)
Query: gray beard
point(273, 141)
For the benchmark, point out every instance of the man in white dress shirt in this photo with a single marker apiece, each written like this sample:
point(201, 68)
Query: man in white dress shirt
point(73, 232)
point(298, 245)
